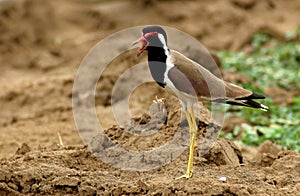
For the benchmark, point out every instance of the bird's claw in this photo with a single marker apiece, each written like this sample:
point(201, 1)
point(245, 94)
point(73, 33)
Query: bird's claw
point(186, 175)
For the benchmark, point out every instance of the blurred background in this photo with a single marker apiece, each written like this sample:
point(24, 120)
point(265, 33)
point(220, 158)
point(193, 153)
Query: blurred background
point(42, 43)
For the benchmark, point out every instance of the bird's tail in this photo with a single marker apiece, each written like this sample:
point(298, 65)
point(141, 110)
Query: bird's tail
point(244, 101)
point(247, 103)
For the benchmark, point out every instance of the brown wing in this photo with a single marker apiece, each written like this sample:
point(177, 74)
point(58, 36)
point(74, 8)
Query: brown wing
point(192, 78)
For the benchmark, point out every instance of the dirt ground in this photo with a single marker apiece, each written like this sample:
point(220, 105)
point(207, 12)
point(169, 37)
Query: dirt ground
point(42, 44)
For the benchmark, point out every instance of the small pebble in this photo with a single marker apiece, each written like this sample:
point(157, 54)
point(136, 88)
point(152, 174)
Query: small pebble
point(223, 179)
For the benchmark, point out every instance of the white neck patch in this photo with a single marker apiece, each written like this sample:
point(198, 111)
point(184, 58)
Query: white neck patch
point(163, 41)
point(168, 63)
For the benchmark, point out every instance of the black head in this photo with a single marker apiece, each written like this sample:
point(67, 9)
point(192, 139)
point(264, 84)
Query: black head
point(152, 36)
point(157, 29)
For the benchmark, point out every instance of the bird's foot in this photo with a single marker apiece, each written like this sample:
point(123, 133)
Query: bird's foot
point(187, 175)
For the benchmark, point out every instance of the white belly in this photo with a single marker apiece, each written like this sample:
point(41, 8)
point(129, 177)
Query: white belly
point(186, 100)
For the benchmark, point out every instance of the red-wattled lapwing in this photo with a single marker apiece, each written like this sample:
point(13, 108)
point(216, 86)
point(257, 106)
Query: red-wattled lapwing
point(189, 81)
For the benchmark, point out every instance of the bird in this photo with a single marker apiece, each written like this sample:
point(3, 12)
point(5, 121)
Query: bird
point(189, 81)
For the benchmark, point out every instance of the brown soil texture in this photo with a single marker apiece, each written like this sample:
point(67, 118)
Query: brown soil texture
point(42, 44)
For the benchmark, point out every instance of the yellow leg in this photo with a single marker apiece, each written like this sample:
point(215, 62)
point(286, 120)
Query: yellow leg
point(193, 132)
point(194, 120)
point(188, 118)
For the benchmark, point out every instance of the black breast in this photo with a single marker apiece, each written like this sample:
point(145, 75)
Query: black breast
point(157, 64)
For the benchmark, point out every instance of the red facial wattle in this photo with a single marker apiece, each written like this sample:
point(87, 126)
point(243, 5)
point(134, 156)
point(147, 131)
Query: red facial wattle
point(144, 42)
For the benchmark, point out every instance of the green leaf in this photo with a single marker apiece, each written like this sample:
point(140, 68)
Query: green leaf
point(272, 63)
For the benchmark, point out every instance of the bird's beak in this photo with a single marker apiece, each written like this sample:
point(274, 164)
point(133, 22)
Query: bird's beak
point(144, 43)
point(136, 42)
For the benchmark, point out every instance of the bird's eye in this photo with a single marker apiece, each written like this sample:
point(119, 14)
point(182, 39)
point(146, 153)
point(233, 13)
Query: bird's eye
point(145, 42)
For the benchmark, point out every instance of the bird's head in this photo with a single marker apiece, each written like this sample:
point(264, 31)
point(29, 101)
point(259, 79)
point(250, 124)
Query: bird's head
point(152, 36)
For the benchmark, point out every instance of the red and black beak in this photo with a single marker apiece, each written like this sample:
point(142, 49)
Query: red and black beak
point(144, 42)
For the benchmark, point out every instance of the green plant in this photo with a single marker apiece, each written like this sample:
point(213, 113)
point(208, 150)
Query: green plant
point(272, 63)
